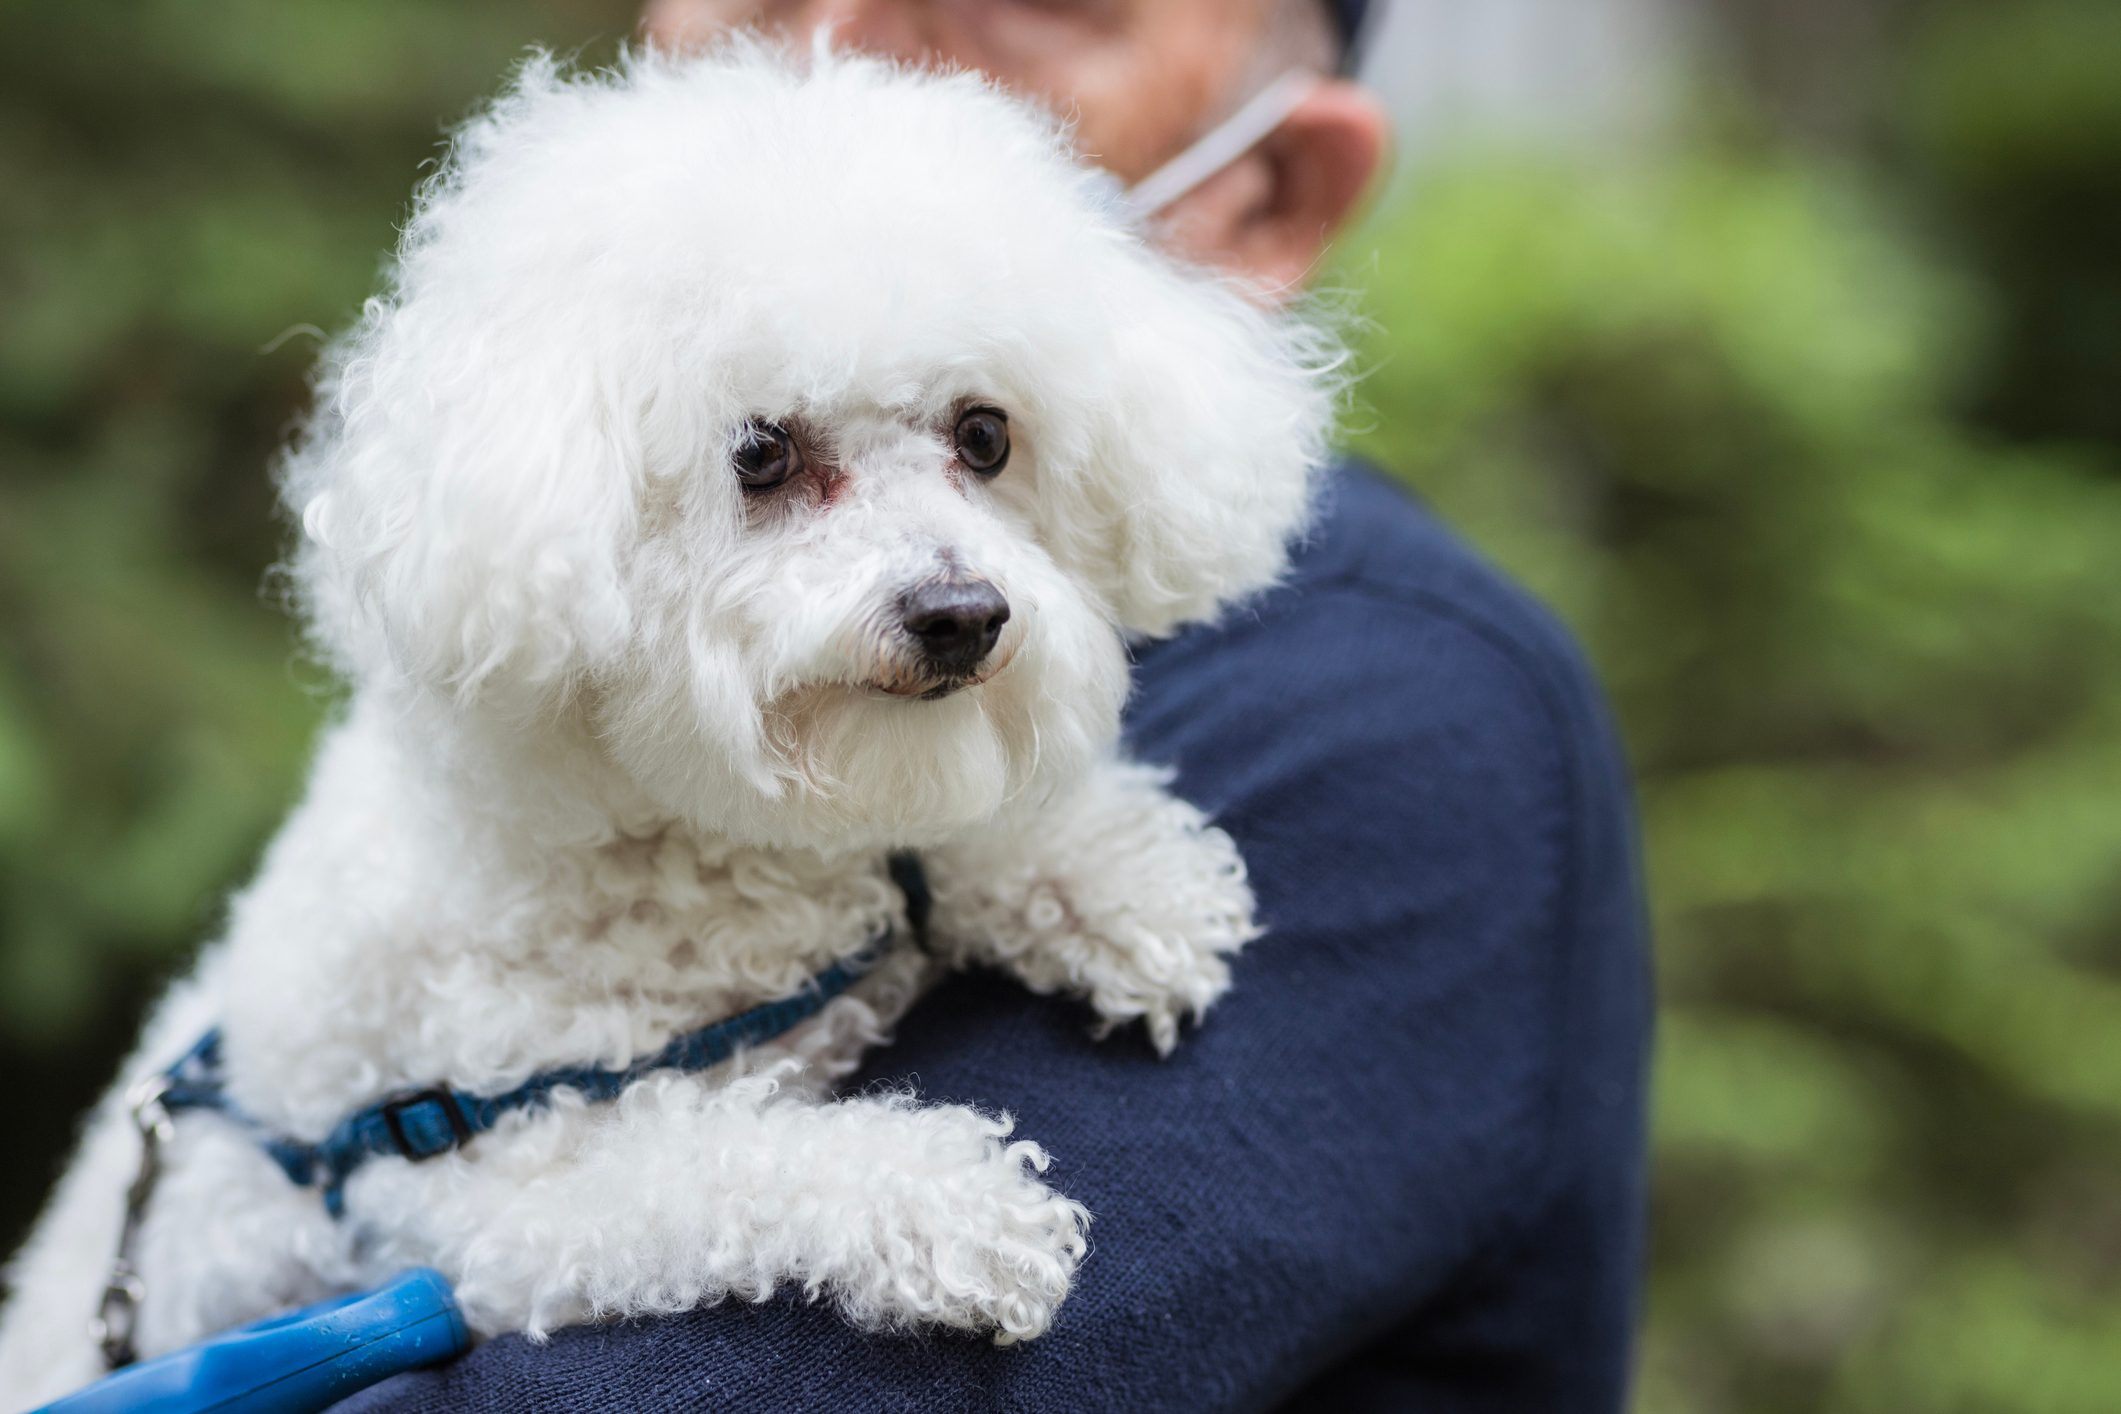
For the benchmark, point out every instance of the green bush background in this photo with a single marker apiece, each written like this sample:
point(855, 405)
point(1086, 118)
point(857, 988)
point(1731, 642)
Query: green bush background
point(1811, 428)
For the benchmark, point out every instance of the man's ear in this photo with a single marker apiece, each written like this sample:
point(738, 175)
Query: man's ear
point(1269, 215)
point(464, 510)
point(1211, 423)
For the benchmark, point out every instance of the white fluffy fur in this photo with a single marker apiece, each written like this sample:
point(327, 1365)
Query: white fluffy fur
point(611, 768)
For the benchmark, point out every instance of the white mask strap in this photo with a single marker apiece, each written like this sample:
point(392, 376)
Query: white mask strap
point(1223, 144)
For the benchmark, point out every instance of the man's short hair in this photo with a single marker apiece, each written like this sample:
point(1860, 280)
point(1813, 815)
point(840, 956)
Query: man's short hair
point(1320, 34)
point(1349, 17)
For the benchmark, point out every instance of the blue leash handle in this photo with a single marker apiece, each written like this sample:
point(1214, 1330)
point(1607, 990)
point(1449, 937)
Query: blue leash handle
point(300, 1363)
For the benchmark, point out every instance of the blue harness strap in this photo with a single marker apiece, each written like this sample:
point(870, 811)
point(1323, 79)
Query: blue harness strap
point(419, 1124)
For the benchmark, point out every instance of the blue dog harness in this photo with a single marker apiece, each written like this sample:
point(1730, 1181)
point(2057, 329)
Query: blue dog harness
point(421, 1124)
point(425, 1123)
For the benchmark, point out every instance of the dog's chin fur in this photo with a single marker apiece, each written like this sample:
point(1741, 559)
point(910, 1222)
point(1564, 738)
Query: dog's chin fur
point(622, 753)
point(849, 768)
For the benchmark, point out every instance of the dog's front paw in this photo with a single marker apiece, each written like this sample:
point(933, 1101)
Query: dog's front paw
point(971, 1236)
point(1026, 1252)
point(1164, 978)
point(1124, 895)
point(1146, 937)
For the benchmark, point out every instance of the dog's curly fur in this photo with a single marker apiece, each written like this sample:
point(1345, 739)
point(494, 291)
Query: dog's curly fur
point(626, 744)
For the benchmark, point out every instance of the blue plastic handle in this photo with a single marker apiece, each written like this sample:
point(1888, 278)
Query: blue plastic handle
point(300, 1363)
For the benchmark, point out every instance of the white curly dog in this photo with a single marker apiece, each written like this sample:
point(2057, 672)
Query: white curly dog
point(755, 465)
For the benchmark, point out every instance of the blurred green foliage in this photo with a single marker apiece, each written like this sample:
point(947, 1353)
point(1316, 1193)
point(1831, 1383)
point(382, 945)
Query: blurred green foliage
point(1820, 456)
point(191, 191)
point(1819, 448)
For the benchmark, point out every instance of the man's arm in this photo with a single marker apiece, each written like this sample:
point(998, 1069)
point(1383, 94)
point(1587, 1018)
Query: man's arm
point(1403, 1155)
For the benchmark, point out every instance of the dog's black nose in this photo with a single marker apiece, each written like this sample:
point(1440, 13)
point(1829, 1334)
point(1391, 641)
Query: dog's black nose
point(955, 622)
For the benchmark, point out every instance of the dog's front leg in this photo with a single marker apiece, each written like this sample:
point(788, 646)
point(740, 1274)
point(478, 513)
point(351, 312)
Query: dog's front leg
point(1119, 892)
point(682, 1194)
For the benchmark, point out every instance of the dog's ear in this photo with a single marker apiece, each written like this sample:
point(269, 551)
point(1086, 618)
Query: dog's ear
point(1211, 428)
point(465, 505)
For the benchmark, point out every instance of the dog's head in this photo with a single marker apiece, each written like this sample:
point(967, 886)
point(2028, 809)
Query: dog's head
point(805, 431)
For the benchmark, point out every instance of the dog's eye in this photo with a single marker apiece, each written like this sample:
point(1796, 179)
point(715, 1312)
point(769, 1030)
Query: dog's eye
point(983, 440)
point(766, 456)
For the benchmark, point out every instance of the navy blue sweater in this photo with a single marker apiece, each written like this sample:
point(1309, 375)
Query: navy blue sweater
point(1401, 1165)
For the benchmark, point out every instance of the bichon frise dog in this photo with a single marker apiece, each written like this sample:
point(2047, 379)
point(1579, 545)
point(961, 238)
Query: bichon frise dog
point(754, 469)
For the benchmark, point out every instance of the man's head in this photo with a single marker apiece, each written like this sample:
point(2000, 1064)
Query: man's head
point(1142, 79)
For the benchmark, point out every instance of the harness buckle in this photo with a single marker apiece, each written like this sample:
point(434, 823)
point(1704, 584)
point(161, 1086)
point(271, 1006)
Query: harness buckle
point(425, 1139)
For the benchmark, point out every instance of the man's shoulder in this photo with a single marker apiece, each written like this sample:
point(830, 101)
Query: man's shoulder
point(1373, 535)
point(1392, 641)
point(1417, 765)
point(1448, 1001)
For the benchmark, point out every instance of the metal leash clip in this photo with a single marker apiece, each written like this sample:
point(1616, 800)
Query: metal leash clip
point(117, 1316)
